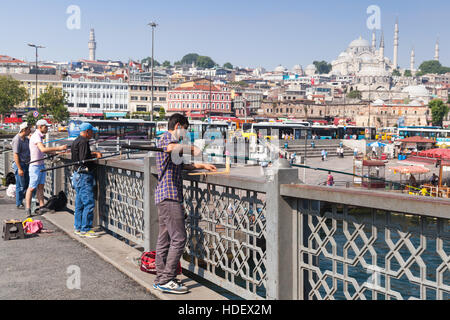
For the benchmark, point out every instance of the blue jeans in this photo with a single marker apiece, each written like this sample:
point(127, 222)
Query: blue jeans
point(21, 182)
point(84, 201)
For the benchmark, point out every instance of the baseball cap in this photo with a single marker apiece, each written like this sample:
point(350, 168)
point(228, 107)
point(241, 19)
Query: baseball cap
point(87, 126)
point(42, 122)
point(23, 125)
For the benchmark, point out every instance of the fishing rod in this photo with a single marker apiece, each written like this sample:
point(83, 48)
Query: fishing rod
point(81, 162)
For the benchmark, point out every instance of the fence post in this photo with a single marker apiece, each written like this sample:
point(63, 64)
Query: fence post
point(150, 210)
point(281, 254)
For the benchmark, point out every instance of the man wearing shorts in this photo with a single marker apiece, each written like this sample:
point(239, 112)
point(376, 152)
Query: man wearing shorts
point(37, 154)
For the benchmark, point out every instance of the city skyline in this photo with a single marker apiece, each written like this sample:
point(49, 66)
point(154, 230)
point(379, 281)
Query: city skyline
point(250, 34)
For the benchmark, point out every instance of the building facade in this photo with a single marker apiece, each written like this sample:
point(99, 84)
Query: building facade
point(140, 92)
point(96, 96)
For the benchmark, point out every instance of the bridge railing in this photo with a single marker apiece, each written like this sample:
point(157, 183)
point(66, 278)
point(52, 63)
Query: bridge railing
point(265, 236)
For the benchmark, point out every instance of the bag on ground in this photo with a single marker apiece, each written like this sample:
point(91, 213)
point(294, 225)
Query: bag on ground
point(57, 203)
point(148, 262)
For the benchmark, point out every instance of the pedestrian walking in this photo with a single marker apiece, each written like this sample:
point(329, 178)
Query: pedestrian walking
point(21, 154)
point(83, 181)
point(323, 154)
point(37, 177)
point(341, 149)
point(169, 201)
point(355, 152)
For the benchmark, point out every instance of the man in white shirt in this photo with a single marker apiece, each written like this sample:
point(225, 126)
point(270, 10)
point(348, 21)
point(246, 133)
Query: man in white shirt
point(37, 154)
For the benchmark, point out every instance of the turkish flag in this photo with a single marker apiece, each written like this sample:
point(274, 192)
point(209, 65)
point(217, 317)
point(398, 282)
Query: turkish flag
point(312, 81)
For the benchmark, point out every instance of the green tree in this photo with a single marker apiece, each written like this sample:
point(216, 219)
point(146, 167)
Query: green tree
point(228, 65)
point(407, 73)
point(11, 94)
point(439, 111)
point(354, 94)
point(162, 114)
point(189, 58)
point(166, 64)
point(52, 102)
point(149, 61)
point(322, 67)
point(396, 73)
point(432, 66)
point(205, 62)
point(31, 120)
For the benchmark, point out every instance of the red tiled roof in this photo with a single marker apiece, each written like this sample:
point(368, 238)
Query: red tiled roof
point(198, 88)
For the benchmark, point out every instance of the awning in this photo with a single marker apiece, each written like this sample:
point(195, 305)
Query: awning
point(115, 114)
point(436, 153)
point(409, 169)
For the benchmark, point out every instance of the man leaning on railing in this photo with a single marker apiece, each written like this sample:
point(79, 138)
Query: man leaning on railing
point(169, 201)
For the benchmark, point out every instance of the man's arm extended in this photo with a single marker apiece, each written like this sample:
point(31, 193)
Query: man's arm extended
point(17, 161)
point(44, 149)
point(206, 166)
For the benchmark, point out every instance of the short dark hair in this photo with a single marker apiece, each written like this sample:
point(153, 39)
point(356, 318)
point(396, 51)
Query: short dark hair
point(177, 118)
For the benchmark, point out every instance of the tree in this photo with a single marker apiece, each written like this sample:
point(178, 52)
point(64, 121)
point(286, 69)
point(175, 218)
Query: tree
point(189, 58)
point(407, 73)
point(228, 65)
point(396, 73)
point(148, 61)
point(354, 94)
point(11, 94)
point(162, 114)
point(322, 67)
point(52, 102)
point(205, 62)
point(432, 66)
point(166, 64)
point(439, 111)
point(31, 120)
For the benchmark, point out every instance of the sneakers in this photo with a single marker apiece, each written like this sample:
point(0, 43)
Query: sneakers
point(172, 287)
point(90, 234)
point(20, 206)
point(78, 233)
point(28, 212)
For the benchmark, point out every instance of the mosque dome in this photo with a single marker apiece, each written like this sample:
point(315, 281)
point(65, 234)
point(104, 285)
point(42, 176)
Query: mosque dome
point(280, 68)
point(378, 102)
point(417, 91)
point(343, 55)
point(360, 42)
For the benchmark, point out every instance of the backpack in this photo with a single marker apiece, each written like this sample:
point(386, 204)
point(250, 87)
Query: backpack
point(10, 179)
point(57, 203)
point(148, 262)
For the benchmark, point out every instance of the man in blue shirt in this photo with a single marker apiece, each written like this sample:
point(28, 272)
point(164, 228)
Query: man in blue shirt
point(21, 149)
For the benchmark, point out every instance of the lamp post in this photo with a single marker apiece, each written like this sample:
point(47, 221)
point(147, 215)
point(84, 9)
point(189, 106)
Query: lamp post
point(153, 25)
point(36, 47)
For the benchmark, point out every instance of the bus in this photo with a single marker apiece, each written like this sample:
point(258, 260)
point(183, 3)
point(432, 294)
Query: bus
point(442, 136)
point(208, 129)
point(124, 129)
point(361, 133)
point(275, 130)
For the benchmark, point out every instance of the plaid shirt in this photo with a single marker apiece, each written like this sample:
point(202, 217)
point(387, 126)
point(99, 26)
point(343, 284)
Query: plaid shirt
point(170, 181)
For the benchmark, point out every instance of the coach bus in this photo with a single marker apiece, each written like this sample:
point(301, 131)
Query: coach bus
point(442, 136)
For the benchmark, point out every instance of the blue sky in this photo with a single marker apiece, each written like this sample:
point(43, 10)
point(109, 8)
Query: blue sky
point(246, 32)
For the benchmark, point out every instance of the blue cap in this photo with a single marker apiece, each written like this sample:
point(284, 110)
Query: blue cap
point(87, 126)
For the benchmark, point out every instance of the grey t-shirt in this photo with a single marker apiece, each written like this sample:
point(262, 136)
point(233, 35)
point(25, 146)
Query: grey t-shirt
point(21, 147)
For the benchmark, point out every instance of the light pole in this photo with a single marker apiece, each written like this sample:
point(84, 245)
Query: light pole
point(153, 25)
point(36, 47)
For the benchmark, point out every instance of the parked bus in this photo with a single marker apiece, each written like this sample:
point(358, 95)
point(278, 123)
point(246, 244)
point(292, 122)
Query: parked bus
point(274, 130)
point(442, 136)
point(125, 129)
point(361, 133)
point(386, 134)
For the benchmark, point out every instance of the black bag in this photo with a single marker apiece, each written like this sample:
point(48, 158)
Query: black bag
point(10, 179)
point(57, 203)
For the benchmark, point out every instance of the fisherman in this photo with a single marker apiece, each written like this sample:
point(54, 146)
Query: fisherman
point(169, 201)
point(37, 177)
point(21, 150)
point(83, 182)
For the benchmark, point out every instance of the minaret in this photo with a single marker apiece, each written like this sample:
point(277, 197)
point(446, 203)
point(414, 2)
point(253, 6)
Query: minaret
point(396, 45)
point(92, 45)
point(374, 41)
point(436, 50)
point(413, 60)
point(382, 46)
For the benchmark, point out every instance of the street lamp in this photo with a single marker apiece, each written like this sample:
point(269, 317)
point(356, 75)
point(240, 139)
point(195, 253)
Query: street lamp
point(36, 47)
point(153, 25)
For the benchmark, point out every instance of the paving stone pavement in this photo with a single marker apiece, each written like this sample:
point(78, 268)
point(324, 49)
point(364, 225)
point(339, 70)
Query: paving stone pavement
point(42, 266)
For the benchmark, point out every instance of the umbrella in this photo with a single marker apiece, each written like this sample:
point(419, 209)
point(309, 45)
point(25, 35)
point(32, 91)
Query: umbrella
point(376, 144)
point(436, 153)
point(409, 169)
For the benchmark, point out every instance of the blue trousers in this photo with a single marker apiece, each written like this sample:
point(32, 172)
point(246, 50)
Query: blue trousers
point(21, 182)
point(84, 201)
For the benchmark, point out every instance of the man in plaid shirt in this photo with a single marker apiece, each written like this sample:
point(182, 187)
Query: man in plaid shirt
point(169, 200)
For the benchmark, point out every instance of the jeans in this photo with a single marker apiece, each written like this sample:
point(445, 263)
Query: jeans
point(21, 182)
point(83, 184)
